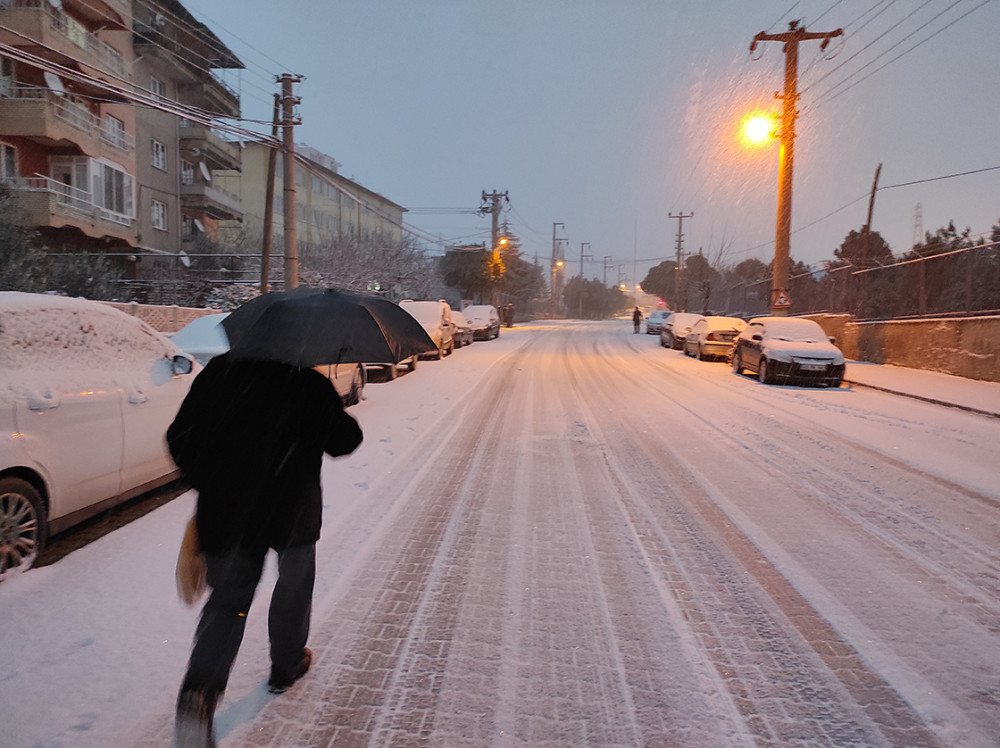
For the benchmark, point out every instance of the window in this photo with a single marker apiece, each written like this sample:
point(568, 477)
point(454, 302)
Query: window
point(187, 172)
point(114, 131)
point(159, 154)
point(157, 87)
point(317, 185)
point(97, 183)
point(8, 161)
point(159, 215)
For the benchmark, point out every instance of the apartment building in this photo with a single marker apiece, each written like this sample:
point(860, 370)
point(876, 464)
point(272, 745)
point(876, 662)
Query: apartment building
point(92, 171)
point(330, 208)
point(178, 197)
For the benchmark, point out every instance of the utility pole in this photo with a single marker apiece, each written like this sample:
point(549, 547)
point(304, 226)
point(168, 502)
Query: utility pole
point(781, 301)
point(582, 257)
point(680, 246)
point(492, 203)
point(556, 259)
point(272, 156)
point(288, 121)
point(608, 265)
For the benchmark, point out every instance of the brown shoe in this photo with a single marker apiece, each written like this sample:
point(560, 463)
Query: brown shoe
point(280, 680)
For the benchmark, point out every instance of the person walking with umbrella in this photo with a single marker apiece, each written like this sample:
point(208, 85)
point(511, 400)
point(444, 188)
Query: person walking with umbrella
point(250, 437)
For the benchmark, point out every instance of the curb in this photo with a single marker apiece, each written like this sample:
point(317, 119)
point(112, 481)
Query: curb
point(933, 401)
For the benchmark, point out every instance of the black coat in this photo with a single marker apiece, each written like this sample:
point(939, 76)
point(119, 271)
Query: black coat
point(250, 437)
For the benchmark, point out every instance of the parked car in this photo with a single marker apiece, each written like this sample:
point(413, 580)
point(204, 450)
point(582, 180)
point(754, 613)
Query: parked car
point(713, 337)
point(788, 350)
point(675, 329)
point(435, 317)
point(654, 322)
point(462, 329)
point(484, 320)
point(85, 400)
point(204, 338)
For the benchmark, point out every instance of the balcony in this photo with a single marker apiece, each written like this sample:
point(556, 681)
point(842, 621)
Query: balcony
point(204, 197)
point(46, 202)
point(203, 144)
point(55, 31)
point(53, 119)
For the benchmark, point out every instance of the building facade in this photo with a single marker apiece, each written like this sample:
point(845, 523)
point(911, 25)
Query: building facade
point(330, 208)
point(92, 171)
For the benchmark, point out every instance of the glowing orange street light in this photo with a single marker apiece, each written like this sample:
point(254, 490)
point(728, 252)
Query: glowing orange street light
point(759, 128)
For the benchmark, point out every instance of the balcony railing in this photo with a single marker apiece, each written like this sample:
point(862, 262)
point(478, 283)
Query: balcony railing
point(73, 112)
point(68, 196)
point(75, 32)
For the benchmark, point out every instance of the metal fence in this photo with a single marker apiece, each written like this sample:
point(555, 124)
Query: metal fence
point(961, 282)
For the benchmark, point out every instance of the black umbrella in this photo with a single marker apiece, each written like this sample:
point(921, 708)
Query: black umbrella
point(310, 327)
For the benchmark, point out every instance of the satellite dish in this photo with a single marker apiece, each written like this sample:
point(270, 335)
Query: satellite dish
point(185, 258)
point(53, 82)
point(199, 225)
point(205, 172)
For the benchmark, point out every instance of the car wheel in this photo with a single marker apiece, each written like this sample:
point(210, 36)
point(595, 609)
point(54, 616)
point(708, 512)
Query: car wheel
point(737, 363)
point(763, 375)
point(23, 529)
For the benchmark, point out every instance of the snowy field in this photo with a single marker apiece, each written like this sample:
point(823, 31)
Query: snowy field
point(618, 544)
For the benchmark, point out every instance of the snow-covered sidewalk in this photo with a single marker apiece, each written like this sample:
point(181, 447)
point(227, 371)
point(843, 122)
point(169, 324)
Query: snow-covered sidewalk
point(932, 386)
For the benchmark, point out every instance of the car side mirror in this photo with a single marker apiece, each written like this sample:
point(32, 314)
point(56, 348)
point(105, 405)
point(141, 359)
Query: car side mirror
point(182, 365)
point(758, 336)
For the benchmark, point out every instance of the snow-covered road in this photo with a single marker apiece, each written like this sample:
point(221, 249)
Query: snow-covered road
point(571, 536)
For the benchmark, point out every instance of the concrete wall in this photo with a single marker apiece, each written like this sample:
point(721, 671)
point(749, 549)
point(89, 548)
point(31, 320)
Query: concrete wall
point(966, 346)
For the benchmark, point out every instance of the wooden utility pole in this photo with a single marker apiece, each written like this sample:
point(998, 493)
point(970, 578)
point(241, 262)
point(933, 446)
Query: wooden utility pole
point(495, 200)
point(272, 157)
point(677, 268)
point(288, 121)
point(582, 258)
point(780, 299)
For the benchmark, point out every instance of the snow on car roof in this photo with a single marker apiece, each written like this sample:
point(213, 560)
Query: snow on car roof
point(793, 328)
point(67, 343)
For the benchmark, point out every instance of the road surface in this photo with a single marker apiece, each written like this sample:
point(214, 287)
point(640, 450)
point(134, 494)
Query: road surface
point(608, 544)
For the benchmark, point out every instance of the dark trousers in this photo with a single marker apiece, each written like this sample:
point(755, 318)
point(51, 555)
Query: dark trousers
point(233, 578)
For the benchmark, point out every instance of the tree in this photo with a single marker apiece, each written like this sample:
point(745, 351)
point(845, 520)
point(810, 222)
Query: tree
point(660, 281)
point(22, 263)
point(596, 300)
point(853, 251)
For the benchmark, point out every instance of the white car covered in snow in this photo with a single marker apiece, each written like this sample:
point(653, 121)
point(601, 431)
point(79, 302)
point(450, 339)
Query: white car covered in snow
point(788, 350)
point(86, 395)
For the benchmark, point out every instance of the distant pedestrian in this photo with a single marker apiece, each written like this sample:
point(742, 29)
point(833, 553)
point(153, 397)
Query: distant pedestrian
point(636, 319)
point(509, 315)
point(250, 437)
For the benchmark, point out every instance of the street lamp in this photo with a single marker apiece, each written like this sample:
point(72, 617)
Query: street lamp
point(555, 266)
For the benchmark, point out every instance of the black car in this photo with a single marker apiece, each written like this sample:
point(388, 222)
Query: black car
point(788, 350)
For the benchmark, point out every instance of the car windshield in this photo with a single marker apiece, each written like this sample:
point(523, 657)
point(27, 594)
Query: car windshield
point(795, 330)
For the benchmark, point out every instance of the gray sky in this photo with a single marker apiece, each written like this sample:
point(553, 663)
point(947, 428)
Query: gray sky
point(608, 115)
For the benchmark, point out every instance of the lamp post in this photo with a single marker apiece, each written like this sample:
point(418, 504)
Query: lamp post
point(780, 299)
point(555, 266)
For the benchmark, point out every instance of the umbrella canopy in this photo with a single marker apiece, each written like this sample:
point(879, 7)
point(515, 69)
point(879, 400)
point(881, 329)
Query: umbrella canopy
point(309, 327)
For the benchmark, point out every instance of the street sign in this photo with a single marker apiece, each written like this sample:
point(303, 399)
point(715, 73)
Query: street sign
point(780, 298)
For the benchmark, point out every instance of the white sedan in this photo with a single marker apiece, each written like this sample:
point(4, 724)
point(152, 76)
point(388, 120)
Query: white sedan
point(86, 395)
